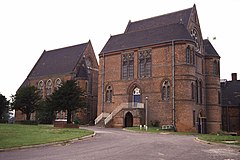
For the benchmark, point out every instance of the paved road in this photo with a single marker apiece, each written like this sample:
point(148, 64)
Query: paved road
point(116, 144)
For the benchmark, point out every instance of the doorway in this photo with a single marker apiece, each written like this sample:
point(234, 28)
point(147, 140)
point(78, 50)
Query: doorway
point(201, 124)
point(128, 119)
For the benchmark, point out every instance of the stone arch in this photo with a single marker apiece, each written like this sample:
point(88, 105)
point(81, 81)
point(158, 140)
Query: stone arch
point(165, 80)
point(128, 119)
point(201, 121)
point(130, 92)
point(108, 93)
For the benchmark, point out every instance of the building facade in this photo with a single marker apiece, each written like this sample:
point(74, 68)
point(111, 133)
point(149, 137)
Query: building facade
point(230, 103)
point(160, 71)
point(70, 63)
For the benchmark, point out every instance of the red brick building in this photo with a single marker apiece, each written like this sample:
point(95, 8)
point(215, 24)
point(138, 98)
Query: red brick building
point(162, 63)
point(230, 103)
point(70, 63)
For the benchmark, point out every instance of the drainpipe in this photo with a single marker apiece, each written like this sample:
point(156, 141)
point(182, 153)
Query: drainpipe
point(173, 85)
point(103, 70)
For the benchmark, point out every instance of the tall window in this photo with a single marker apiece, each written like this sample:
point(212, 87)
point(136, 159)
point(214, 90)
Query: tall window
point(188, 55)
point(49, 87)
point(200, 88)
point(192, 87)
point(127, 65)
point(166, 90)
point(195, 35)
point(109, 94)
point(197, 91)
point(40, 87)
point(193, 56)
point(145, 63)
point(216, 68)
point(136, 95)
point(58, 83)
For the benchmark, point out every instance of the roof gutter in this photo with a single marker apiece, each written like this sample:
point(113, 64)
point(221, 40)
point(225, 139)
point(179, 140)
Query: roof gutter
point(169, 41)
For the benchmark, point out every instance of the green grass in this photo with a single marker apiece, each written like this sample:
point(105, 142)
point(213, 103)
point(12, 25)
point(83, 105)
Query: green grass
point(158, 130)
point(220, 138)
point(16, 135)
point(226, 139)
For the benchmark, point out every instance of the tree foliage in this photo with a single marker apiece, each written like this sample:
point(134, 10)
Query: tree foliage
point(45, 113)
point(27, 100)
point(4, 107)
point(68, 97)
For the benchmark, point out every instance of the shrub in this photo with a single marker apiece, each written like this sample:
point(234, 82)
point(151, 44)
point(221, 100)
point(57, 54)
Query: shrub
point(155, 123)
point(76, 121)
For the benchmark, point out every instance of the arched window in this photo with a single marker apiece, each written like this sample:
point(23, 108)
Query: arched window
point(192, 88)
point(188, 55)
point(109, 94)
point(58, 83)
point(166, 90)
point(49, 87)
point(216, 67)
point(200, 89)
point(136, 95)
point(127, 65)
point(40, 87)
point(195, 35)
point(197, 91)
point(145, 63)
point(193, 56)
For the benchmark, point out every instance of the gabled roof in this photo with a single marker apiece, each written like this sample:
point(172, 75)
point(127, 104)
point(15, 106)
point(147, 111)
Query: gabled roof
point(163, 20)
point(230, 93)
point(209, 49)
point(58, 61)
point(143, 38)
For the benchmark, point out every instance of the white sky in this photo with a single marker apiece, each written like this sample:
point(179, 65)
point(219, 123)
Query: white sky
point(28, 27)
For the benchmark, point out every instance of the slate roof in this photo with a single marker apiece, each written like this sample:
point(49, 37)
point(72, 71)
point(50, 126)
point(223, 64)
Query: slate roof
point(209, 49)
point(230, 93)
point(58, 61)
point(163, 20)
point(146, 37)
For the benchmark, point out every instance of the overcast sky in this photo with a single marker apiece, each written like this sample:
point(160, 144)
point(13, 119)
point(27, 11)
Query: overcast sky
point(28, 27)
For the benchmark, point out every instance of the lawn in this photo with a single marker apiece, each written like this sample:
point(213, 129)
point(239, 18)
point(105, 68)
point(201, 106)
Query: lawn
point(218, 138)
point(16, 135)
point(227, 139)
point(158, 130)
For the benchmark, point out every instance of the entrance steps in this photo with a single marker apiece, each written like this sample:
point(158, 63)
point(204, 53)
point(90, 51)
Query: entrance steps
point(99, 121)
point(104, 118)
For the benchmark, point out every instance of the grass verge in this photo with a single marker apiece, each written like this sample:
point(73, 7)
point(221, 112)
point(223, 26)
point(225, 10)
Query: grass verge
point(158, 130)
point(16, 135)
point(217, 138)
point(226, 139)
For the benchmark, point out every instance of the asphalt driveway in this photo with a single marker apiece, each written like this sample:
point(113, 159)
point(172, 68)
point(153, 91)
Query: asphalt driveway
point(116, 144)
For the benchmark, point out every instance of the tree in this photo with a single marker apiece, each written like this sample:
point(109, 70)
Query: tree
point(27, 100)
point(68, 97)
point(45, 113)
point(4, 107)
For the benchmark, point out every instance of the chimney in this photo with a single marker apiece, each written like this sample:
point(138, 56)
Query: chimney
point(234, 76)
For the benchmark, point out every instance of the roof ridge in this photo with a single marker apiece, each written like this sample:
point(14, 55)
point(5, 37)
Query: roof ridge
point(143, 30)
point(163, 15)
point(148, 41)
point(67, 47)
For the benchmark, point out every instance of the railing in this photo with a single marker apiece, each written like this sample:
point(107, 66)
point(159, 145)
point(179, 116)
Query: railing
point(100, 117)
point(135, 105)
point(120, 107)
